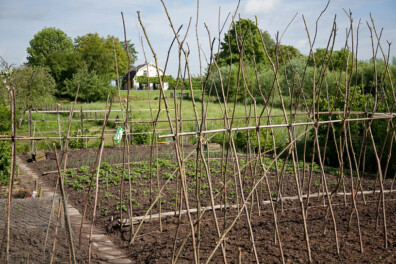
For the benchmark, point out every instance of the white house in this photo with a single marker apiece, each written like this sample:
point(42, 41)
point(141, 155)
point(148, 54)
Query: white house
point(149, 70)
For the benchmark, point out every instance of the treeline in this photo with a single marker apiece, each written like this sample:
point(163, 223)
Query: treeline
point(249, 60)
point(88, 61)
point(295, 71)
point(57, 65)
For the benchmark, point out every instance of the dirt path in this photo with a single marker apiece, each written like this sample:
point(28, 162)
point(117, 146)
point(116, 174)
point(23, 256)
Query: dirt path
point(101, 242)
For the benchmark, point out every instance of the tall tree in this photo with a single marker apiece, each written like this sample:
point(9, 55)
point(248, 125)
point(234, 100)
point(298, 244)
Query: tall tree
point(46, 42)
point(131, 49)
point(52, 48)
point(244, 35)
point(33, 85)
point(92, 86)
point(98, 54)
point(339, 59)
point(284, 53)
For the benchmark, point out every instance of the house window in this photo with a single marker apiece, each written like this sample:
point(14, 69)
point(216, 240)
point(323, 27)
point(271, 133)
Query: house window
point(145, 72)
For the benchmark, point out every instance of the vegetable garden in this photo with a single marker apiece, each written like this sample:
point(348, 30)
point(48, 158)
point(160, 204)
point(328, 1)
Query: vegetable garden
point(228, 176)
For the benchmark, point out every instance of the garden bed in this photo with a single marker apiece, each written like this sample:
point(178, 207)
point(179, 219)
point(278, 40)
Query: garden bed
point(153, 246)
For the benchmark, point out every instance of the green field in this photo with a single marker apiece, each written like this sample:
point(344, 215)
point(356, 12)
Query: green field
point(144, 105)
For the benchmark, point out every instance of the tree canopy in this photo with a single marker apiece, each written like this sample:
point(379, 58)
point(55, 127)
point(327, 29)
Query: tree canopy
point(32, 85)
point(47, 42)
point(92, 86)
point(244, 35)
point(131, 49)
point(90, 53)
point(98, 54)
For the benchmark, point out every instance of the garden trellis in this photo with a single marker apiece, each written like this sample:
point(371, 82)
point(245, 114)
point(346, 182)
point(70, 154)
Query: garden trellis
point(244, 185)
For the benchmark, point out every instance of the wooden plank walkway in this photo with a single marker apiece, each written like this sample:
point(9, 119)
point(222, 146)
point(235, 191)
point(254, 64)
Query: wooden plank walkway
point(101, 243)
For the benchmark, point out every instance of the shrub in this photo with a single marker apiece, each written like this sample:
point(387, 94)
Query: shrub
point(141, 139)
point(76, 143)
point(5, 119)
point(218, 138)
point(241, 139)
point(93, 87)
point(5, 162)
point(357, 130)
point(5, 146)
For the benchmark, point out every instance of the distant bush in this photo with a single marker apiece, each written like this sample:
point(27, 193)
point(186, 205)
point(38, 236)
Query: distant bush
point(141, 139)
point(5, 162)
point(218, 138)
point(241, 140)
point(357, 130)
point(5, 146)
point(76, 143)
point(93, 87)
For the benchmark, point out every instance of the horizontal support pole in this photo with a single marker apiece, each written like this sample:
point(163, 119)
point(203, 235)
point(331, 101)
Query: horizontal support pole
point(385, 116)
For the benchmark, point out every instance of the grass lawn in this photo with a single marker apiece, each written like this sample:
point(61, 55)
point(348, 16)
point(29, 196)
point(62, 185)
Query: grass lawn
point(141, 102)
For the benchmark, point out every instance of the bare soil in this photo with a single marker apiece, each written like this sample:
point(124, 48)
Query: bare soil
point(153, 246)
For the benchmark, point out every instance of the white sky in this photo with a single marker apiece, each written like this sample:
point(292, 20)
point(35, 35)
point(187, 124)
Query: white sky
point(21, 19)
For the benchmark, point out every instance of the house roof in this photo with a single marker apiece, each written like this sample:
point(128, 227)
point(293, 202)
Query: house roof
point(134, 70)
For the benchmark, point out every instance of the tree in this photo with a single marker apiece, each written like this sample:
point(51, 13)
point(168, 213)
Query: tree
point(230, 82)
point(46, 42)
point(285, 53)
point(92, 86)
point(63, 66)
point(33, 85)
point(131, 49)
point(5, 123)
point(5, 146)
point(52, 48)
point(98, 55)
point(338, 59)
point(5, 84)
point(246, 32)
point(358, 102)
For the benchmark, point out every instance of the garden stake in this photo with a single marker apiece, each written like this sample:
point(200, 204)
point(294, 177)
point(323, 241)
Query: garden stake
point(176, 139)
point(56, 232)
point(72, 254)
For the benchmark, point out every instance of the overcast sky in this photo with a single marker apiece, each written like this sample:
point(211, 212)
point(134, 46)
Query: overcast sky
point(21, 19)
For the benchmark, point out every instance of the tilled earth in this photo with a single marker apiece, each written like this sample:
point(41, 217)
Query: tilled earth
point(154, 241)
point(28, 232)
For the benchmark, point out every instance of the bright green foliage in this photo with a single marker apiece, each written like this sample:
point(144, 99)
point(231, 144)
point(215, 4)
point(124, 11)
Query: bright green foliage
point(63, 66)
point(285, 53)
point(76, 143)
point(145, 79)
point(195, 83)
point(233, 82)
point(5, 146)
point(47, 42)
point(5, 162)
point(358, 102)
point(131, 49)
point(52, 48)
point(140, 139)
point(98, 55)
point(33, 85)
point(241, 140)
point(92, 86)
point(246, 32)
point(339, 59)
point(5, 119)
